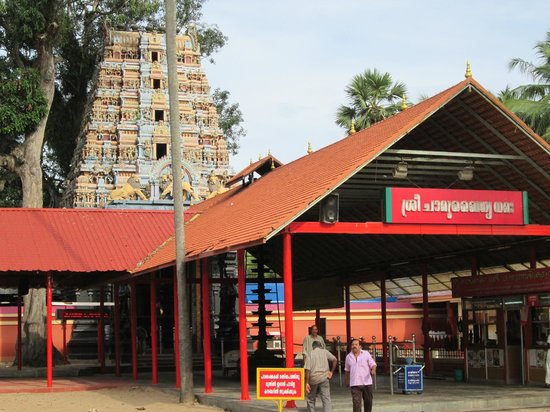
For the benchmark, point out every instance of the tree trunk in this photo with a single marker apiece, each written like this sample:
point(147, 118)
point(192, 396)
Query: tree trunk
point(34, 332)
point(29, 166)
point(29, 169)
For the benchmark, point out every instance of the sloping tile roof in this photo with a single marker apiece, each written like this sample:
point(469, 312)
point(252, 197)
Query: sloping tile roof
point(79, 240)
point(253, 214)
point(261, 167)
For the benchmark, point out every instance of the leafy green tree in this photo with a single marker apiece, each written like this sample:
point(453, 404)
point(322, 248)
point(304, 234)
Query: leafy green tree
point(48, 54)
point(531, 102)
point(230, 119)
point(373, 96)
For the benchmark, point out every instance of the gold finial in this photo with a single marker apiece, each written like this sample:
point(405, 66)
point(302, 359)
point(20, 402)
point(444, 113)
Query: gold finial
point(309, 149)
point(468, 70)
point(352, 128)
point(404, 102)
point(269, 152)
point(272, 164)
point(259, 157)
point(251, 161)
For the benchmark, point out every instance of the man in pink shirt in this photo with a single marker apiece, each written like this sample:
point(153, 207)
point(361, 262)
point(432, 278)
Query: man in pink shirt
point(360, 367)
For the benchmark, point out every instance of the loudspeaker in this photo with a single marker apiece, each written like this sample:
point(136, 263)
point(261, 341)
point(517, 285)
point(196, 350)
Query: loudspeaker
point(23, 287)
point(328, 210)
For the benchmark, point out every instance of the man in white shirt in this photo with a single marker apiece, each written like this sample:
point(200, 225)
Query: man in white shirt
point(360, 368)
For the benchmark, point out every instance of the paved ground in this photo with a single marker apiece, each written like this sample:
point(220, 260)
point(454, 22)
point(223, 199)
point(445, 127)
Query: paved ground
point(438, 395)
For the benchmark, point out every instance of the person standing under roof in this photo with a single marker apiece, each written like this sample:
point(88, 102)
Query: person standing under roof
point(309, 339)
point(318, 375)
point(360, 367)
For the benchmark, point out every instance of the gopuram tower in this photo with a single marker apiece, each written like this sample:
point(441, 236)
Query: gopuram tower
point(123, 151)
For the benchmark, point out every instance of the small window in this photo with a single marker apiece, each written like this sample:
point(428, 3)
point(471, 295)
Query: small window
point(161, 150)
point(156, 83)
point(159, 115)
point(155, 56)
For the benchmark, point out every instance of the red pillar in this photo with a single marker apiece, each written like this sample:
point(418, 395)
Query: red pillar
point(49, 332)
point(153, 309)
point(133, 328)
point(348, 316)
point(176, 330)
point(383, 307)
point(116, 298)
point(19, 334)
point(206, 326)
point(243, 345)
point(426, 323)
point(101, 330)
point(287, 279)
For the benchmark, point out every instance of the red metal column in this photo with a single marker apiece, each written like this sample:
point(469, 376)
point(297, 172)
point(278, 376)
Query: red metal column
point(19, 334)
point(176, 330)
point(243, 345)
point(153, 308)
point(383, 308)
point(116, 298)
point(101, 329)
point(206, 326)
point(289, 332)
point(133, 328)
point(426, 322)
point(49, 331)
point(348, 316)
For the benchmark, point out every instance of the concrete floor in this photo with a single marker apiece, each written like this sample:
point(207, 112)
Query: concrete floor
point(437, 396)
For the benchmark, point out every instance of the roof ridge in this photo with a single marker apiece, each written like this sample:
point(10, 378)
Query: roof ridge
point(151, 254)
point(394, 118)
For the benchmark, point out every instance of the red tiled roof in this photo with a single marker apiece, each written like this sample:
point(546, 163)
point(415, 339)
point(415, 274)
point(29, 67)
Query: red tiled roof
point(253, 214)
point(79, 240)
point(261, 167)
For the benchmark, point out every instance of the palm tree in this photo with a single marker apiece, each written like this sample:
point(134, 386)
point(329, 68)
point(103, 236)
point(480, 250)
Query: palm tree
point(373, 97)
point(531, 102)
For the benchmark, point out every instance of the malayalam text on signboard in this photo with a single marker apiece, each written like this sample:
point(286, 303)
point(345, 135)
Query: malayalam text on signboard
point(460, 207)
point(506, 283)
point(280, 383)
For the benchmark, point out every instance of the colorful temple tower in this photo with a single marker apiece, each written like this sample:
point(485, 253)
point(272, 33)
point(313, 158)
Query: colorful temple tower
point(123, 151)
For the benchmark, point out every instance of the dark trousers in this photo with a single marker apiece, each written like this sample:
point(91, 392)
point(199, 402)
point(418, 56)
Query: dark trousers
point(361, 393)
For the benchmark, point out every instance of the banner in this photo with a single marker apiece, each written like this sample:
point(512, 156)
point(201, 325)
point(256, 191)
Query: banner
point(457, 207)
point(280, 383)
point(500, 284)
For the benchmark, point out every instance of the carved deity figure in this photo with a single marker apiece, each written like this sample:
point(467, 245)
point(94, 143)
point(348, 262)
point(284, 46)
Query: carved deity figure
point(130, 189)
point(215, 185)
point(186, 187)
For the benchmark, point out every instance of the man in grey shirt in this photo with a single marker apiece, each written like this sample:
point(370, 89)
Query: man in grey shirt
point(318, 375)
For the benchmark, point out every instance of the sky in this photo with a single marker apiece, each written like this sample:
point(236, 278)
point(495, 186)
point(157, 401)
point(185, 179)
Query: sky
point(287, 62)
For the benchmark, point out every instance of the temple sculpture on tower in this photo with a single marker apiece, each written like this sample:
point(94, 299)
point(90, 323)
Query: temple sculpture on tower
point(123, 151)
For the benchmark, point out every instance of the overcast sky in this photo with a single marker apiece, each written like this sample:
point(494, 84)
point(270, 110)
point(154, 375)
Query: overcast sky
point(287, 62)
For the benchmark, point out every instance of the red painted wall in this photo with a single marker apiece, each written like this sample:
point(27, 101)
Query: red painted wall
point(8, 333)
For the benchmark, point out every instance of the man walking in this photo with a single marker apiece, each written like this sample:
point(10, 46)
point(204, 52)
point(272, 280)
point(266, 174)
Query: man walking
point(360, 367)
point(318, 375)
